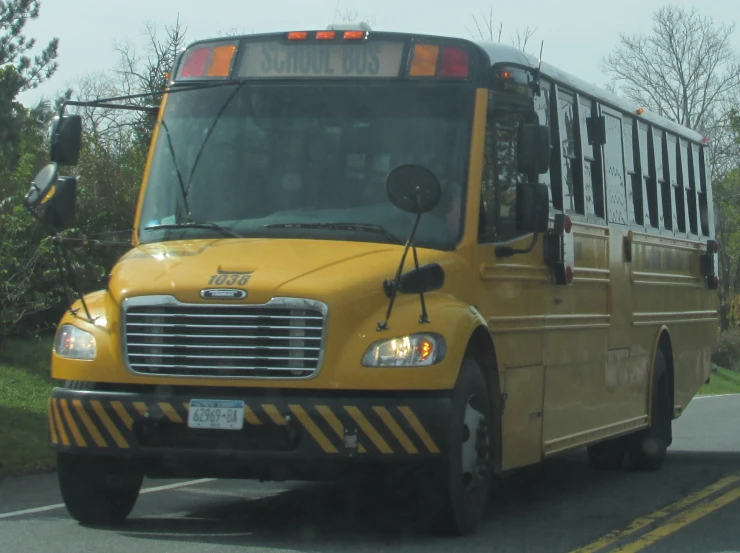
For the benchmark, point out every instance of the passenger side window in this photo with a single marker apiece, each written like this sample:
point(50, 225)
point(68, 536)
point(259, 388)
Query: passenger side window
point(500, 177)
point(700, 167)
point(614, 164)
point(543, 108)
point(655, 167)
point(593, 186)
point(572, 194)
point(632, 162)
point(689, 179)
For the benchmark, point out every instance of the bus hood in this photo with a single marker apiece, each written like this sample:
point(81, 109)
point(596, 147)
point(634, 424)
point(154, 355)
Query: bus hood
point(263, 268)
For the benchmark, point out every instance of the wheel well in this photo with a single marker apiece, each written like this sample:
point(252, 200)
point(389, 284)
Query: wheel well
point(481, 348)
point(665, 345)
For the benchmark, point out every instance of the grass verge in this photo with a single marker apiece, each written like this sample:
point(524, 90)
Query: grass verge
point(722, 382)
point(24, 392)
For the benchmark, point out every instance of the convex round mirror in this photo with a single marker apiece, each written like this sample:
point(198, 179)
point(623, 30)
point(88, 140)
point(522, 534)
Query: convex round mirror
point(45, 179)
point(413, 189)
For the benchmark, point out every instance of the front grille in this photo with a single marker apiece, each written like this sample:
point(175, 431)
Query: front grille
point(280, 339)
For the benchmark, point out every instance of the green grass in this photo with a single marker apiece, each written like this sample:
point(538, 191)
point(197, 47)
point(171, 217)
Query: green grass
point(722, 382)
point(24, 392)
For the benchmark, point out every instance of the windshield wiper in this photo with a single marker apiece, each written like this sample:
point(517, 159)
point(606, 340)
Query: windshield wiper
point(177, 169)
point(360, 227)
point(208, 226)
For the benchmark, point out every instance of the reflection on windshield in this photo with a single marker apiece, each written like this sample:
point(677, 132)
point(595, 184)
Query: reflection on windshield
point(308, 154)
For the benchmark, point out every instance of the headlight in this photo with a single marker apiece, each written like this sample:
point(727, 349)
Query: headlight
point(74, 343)
point(417, 350)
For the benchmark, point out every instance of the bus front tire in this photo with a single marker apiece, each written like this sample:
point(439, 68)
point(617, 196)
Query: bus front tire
point(98, 490)
point(461, 485)
point(649, 447)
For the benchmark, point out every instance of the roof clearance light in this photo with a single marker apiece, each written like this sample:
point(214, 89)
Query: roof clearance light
point(298, 35)
point(424, 63)
point(195, 63)
point(705, 140)
point(639, 111)
point(220, 65)
point(355, 35)
point(505, 75)
point(454, 63)
point(326, 35)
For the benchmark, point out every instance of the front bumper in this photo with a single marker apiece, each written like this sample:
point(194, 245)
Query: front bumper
point(282, 425)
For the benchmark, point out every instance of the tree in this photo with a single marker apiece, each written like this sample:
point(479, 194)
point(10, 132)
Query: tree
point(349, 15)
point(19, 72)
point(147, 72)
point(485, 29)
point(15, 46)
point(684, 70)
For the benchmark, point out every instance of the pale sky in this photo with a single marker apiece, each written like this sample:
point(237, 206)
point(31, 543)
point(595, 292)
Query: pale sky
point(577, 33)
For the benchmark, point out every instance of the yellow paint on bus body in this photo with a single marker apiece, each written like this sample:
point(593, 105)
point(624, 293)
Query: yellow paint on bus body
point(575, 361)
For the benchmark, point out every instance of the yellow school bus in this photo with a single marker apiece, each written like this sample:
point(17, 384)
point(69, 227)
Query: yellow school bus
point(357, 248)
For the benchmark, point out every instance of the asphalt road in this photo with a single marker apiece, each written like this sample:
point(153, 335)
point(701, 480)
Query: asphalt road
point(691, 505)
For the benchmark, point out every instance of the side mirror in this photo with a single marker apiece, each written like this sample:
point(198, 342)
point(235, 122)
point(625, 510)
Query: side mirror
point(413, 189)
point(66, 139)
point(426, 278)
point(532, 208)
point(41, 186)
point(59, 211)
point(533, 147)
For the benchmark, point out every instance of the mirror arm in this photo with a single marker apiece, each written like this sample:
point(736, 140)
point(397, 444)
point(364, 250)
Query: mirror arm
point(397, 279)
point(424, 317)
point(508, 251)
point(65, 266)
point(59, 242)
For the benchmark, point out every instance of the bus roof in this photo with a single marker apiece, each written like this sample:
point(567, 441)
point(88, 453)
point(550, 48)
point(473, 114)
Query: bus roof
point(502, 53)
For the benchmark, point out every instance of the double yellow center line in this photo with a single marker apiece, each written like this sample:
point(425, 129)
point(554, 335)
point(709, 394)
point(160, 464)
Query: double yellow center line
point(671, 518)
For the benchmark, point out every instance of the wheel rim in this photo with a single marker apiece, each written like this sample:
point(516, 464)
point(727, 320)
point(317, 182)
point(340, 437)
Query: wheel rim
point(475, 446)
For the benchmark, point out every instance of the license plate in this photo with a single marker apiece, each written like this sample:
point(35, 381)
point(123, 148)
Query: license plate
point(216, 414)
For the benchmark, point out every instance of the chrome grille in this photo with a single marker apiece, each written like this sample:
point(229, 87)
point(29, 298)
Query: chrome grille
point(281, 339)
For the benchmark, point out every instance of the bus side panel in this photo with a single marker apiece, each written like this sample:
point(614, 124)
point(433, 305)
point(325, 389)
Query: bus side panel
point(522, 420)
point(510, 295)
point(668, 289)
point(578, 406)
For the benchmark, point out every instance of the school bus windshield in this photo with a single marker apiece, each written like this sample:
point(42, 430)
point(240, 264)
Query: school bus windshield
point(253, 156)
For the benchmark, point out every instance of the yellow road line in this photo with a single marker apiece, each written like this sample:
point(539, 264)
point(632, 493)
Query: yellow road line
point(108, 423)
point(397, 431)
point(60, 425)
point(332, 420)
point(410, 416)
point(87, 421)
point(680, 520)
point(314, 430)
point(123, 414)
point(640, 523)
point(368, 429)
point(76, 434)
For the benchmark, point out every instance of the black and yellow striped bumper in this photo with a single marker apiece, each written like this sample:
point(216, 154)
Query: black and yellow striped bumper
point(360, 427)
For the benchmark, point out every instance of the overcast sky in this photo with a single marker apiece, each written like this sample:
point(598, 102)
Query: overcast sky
point(577, 33)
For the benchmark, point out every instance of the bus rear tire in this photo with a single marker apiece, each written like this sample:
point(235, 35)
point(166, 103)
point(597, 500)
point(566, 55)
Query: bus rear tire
point(607, 455)
point(649, 447)
point(461, 485)
point(98, 490)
